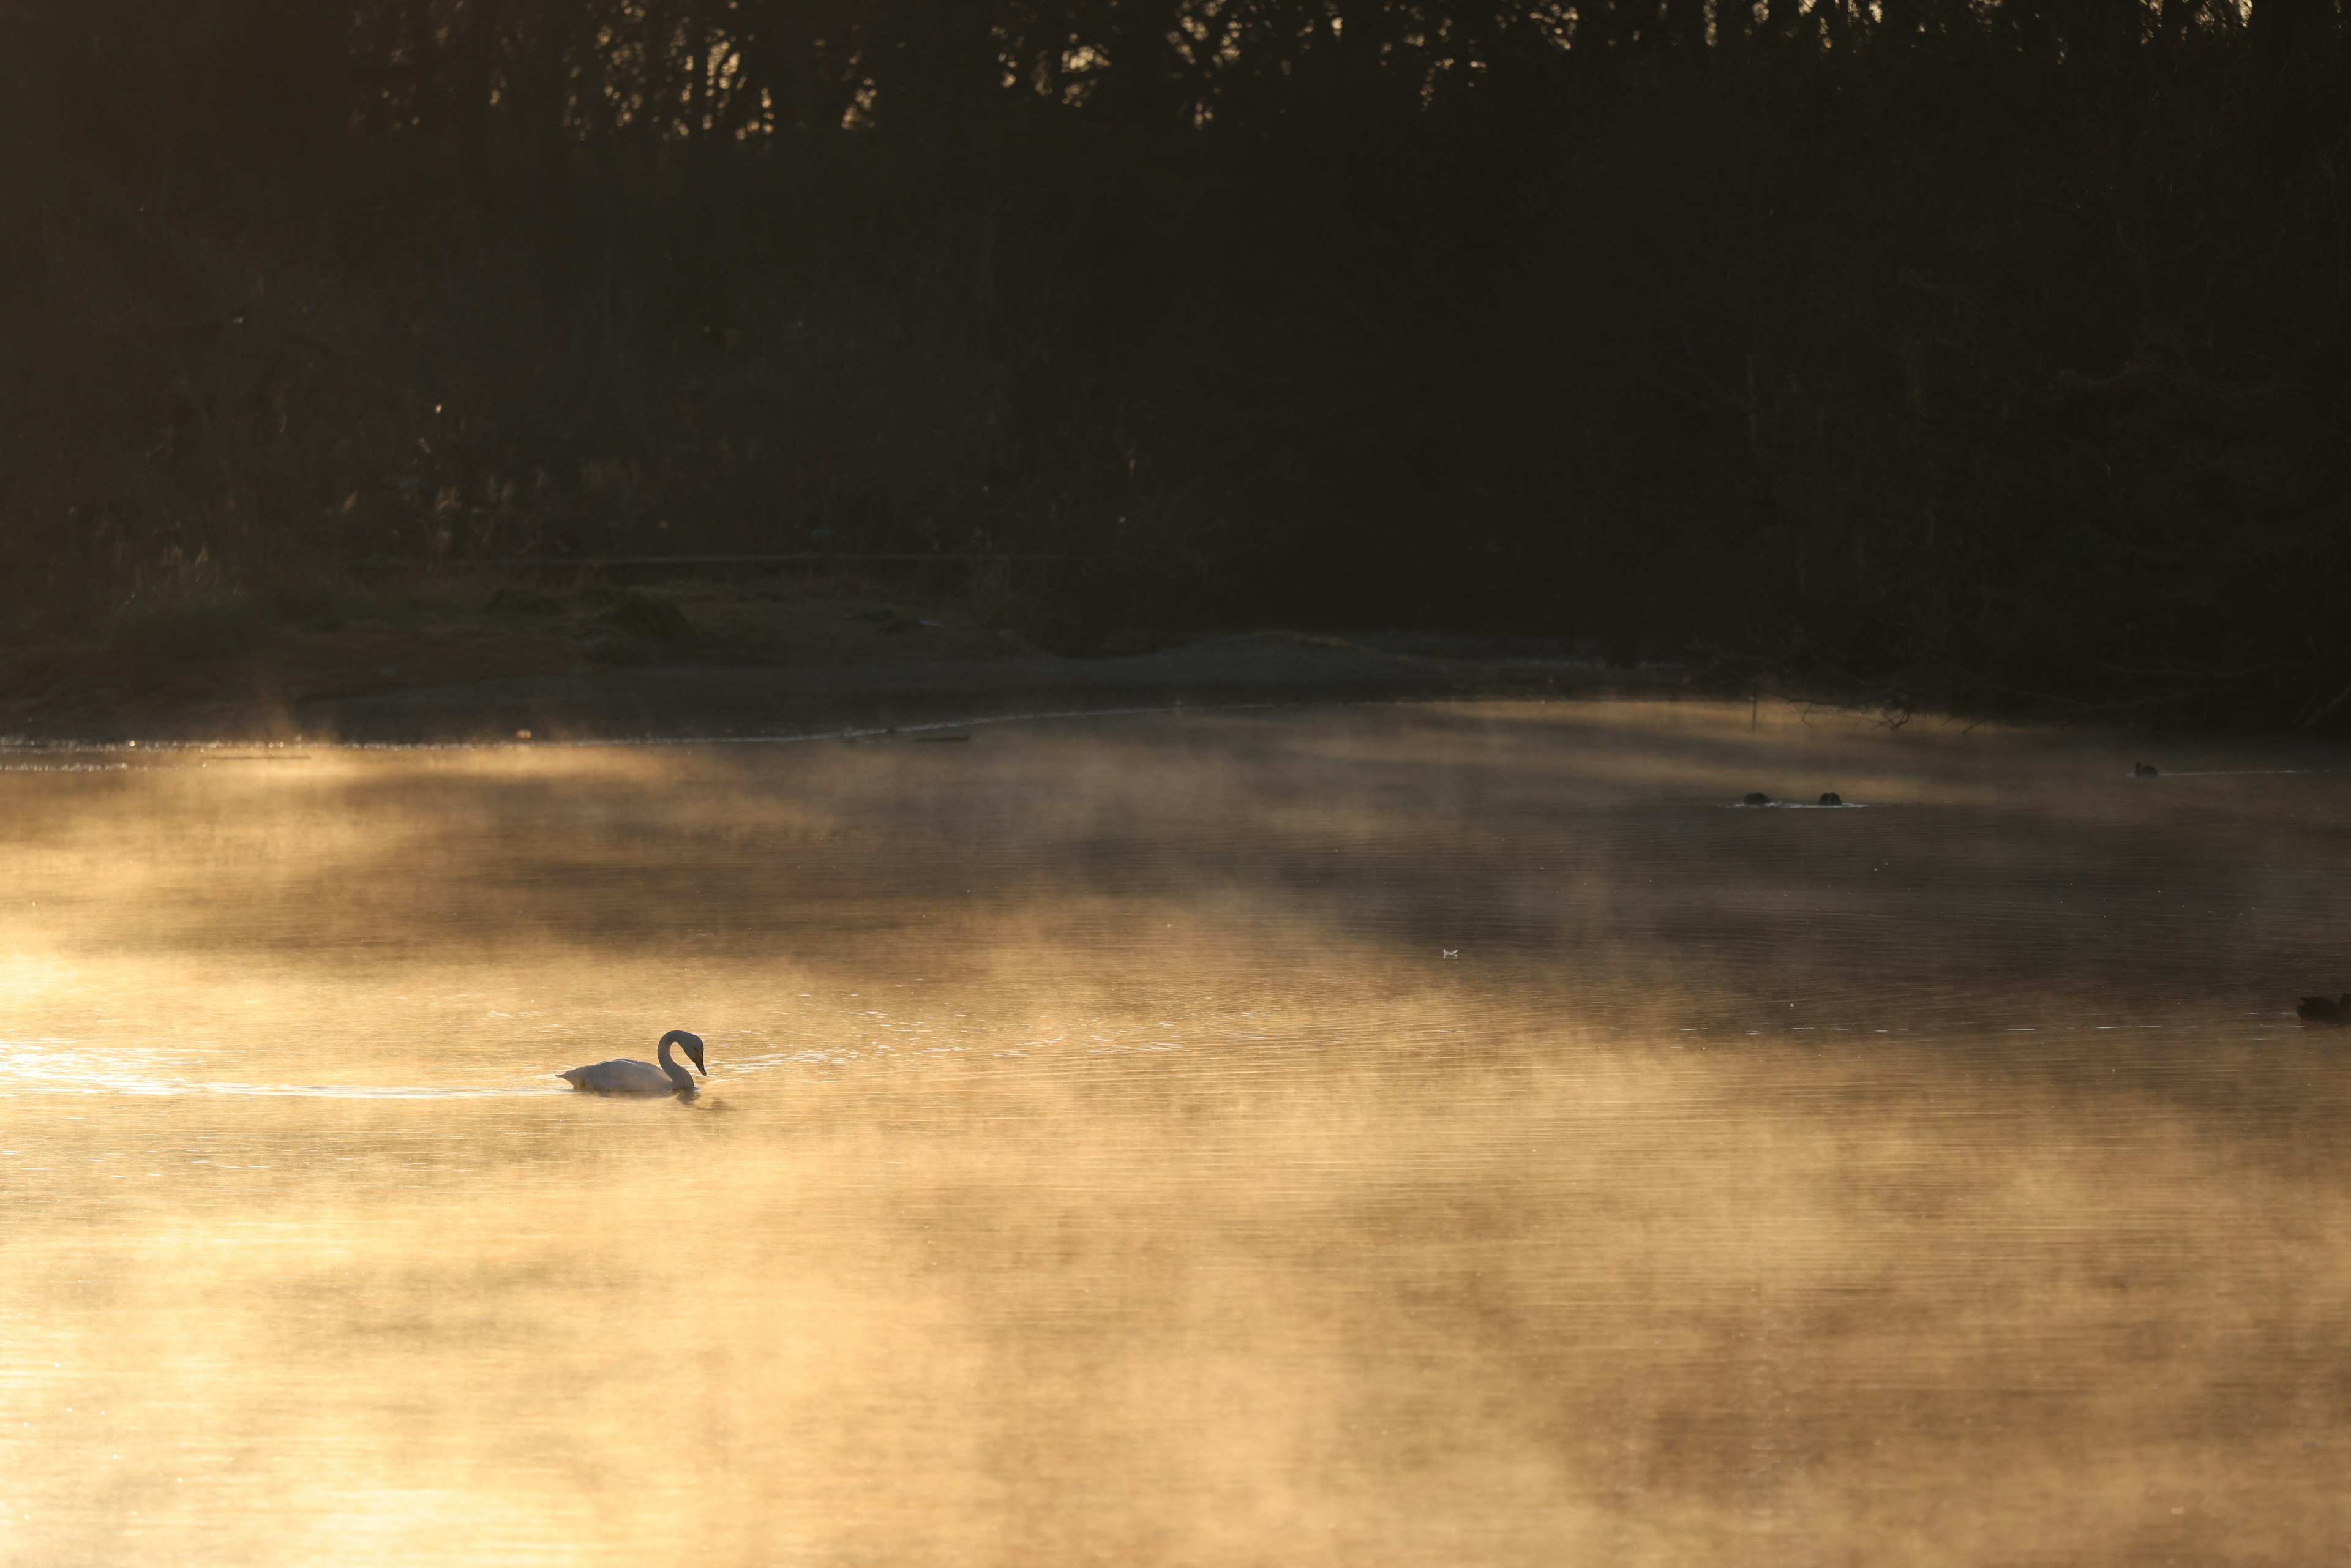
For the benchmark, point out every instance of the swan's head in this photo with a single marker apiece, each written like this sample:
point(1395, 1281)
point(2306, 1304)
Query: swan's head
point(693, 1047)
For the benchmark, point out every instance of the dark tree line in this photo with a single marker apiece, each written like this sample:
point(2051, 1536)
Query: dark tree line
point(1977, 348)
point(266, 80)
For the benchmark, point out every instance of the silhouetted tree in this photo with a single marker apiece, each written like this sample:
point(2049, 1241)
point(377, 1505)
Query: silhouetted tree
point(1903, 335)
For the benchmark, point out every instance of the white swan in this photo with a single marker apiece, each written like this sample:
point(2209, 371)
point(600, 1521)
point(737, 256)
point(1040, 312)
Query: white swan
point(625, 1077)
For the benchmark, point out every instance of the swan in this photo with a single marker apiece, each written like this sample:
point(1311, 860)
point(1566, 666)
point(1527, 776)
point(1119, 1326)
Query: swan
point(625, 1077)
point(2325, 1009)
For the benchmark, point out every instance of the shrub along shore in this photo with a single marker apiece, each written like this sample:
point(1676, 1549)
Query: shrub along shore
point(1987, 357)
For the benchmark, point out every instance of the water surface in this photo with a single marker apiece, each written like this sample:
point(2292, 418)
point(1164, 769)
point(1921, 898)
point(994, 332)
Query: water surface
point(1448, 1135)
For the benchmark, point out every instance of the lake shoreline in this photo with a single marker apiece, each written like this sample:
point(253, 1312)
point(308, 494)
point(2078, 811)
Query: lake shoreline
point(676, 702)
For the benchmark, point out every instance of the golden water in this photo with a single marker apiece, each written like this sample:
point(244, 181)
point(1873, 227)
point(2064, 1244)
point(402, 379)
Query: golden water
point(1417, 1136)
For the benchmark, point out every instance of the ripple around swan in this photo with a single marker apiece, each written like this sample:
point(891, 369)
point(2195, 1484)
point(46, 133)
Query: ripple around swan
point(12, 1087)
point(61, 1065)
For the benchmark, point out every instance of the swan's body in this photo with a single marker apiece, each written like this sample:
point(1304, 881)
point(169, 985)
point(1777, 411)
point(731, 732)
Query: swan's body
point(625, 1077)
point(2324, 1010)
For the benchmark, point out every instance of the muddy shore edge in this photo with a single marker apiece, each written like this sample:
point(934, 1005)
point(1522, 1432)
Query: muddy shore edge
point(689, 702)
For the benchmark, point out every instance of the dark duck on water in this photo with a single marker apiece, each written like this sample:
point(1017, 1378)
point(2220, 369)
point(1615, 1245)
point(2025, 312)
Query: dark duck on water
point(2325, 1009)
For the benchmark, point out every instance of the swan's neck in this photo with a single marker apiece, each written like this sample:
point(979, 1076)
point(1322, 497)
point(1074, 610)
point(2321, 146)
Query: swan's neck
point(677, 1075)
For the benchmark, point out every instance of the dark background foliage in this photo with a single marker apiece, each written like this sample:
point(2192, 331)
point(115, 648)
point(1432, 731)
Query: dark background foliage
point(1985, 351)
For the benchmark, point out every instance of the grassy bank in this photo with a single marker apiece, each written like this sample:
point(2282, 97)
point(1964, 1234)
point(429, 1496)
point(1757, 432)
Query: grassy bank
point(205, 645)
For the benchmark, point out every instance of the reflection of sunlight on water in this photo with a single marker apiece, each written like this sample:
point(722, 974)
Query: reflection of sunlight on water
point(1101, 1162)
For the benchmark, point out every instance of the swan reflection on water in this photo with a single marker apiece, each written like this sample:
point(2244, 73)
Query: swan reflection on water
point(626, 1077)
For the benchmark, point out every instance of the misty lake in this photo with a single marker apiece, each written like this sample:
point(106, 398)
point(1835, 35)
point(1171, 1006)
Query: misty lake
point(1419, 1135)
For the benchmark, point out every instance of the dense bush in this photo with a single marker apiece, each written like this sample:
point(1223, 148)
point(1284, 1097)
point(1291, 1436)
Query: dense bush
point(1985, 351)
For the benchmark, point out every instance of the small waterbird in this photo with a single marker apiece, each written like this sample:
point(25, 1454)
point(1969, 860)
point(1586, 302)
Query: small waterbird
point(2325, 1009)
point(625, 1077)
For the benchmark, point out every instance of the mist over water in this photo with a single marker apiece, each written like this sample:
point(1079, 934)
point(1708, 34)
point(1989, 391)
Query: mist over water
point(1455, 1134)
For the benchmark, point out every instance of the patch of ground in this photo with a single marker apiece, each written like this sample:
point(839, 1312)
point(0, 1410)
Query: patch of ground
point(250, 665)
point(465, 660)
